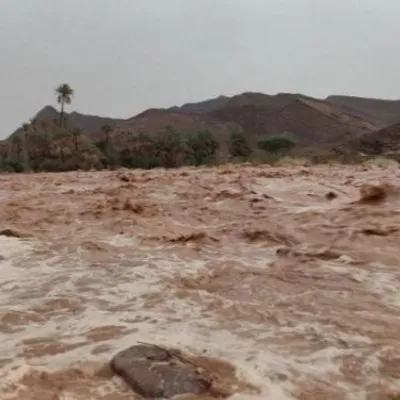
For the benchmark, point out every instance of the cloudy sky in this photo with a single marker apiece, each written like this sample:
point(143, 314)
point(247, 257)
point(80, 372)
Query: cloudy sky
point(124, 56)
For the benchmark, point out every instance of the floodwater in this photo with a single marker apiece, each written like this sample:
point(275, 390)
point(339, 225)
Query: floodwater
point(252, 265)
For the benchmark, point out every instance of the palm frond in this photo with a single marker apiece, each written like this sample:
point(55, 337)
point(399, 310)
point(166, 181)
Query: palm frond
point(64, 90)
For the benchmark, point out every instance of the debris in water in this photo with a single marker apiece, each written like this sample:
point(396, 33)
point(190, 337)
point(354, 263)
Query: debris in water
point(273, 235)
point(192, 237)
point(379, 231)
point(10, 232)
point(331, 195)
point(125, 177)
point(134, 207)
point(372, 193)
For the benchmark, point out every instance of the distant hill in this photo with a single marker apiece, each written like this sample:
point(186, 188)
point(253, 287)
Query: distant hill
point(47, 114)
point(386, 140)
point(385, 111)
point(154, 120)
point(313, 121)
point(316, 121)
point(202, 106)
point(243, 99)
point(90, 124)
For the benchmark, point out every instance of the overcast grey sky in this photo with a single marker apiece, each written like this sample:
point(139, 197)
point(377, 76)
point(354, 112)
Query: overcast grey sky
point(123, 56)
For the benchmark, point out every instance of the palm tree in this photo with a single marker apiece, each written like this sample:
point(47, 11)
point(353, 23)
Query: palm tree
point(44, 125)
point(64, 94)
point(76, 133)
point(106, 129)
point(25, 152)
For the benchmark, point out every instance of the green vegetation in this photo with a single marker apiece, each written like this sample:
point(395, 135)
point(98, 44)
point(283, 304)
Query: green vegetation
point(277, 143)
point(64, 94)
point(239, 145)
point(202, 147)
point(54, 146)
point(57, 147)
point(372, 147)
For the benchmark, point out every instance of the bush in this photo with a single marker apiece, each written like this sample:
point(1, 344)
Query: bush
point(169, 147)
point(140, 161)
point(7, 169)
point(51, 165)
point(382, 162)
point(372, 147)
point(12, 166)
point(280, 143)
point(239, 145)
point(266, 158)
point(82, 161)
point(202, 147)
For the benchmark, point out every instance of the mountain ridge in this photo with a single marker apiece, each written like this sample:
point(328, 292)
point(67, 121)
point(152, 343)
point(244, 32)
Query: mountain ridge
point(311, 119)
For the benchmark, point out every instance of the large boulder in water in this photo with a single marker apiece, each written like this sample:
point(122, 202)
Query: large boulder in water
point(155, 372)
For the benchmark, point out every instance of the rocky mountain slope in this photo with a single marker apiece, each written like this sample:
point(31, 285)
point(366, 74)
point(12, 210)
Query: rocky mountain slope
point(386, 111)
point(154, 120)
point(336, 119)
point(90, 124)
point(386, 140)
point(311, 121)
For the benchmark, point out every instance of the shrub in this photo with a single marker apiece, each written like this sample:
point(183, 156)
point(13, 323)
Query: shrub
point(372, 147)
point(7, 169)
point(280, 143)
point(12, 165)
point(239, 145)
point(169, 147)
point(202, 147)
point(51, 165)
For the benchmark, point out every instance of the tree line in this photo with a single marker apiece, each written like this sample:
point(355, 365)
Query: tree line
point(54, 146)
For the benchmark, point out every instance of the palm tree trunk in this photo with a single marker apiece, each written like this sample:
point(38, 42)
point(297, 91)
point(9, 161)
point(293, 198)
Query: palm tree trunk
point(25, 152)
point(62, 154)
point(61, 114)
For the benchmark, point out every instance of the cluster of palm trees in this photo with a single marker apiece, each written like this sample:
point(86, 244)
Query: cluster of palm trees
point(64, 93)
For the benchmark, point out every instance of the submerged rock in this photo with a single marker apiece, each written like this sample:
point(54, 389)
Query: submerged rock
point(154, 372)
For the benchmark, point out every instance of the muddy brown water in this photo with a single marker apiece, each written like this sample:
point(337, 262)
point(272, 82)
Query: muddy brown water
point(251, 265)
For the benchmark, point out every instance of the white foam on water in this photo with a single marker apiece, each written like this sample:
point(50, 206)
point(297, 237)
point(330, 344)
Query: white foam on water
point(191, 331)
point(138, 290)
